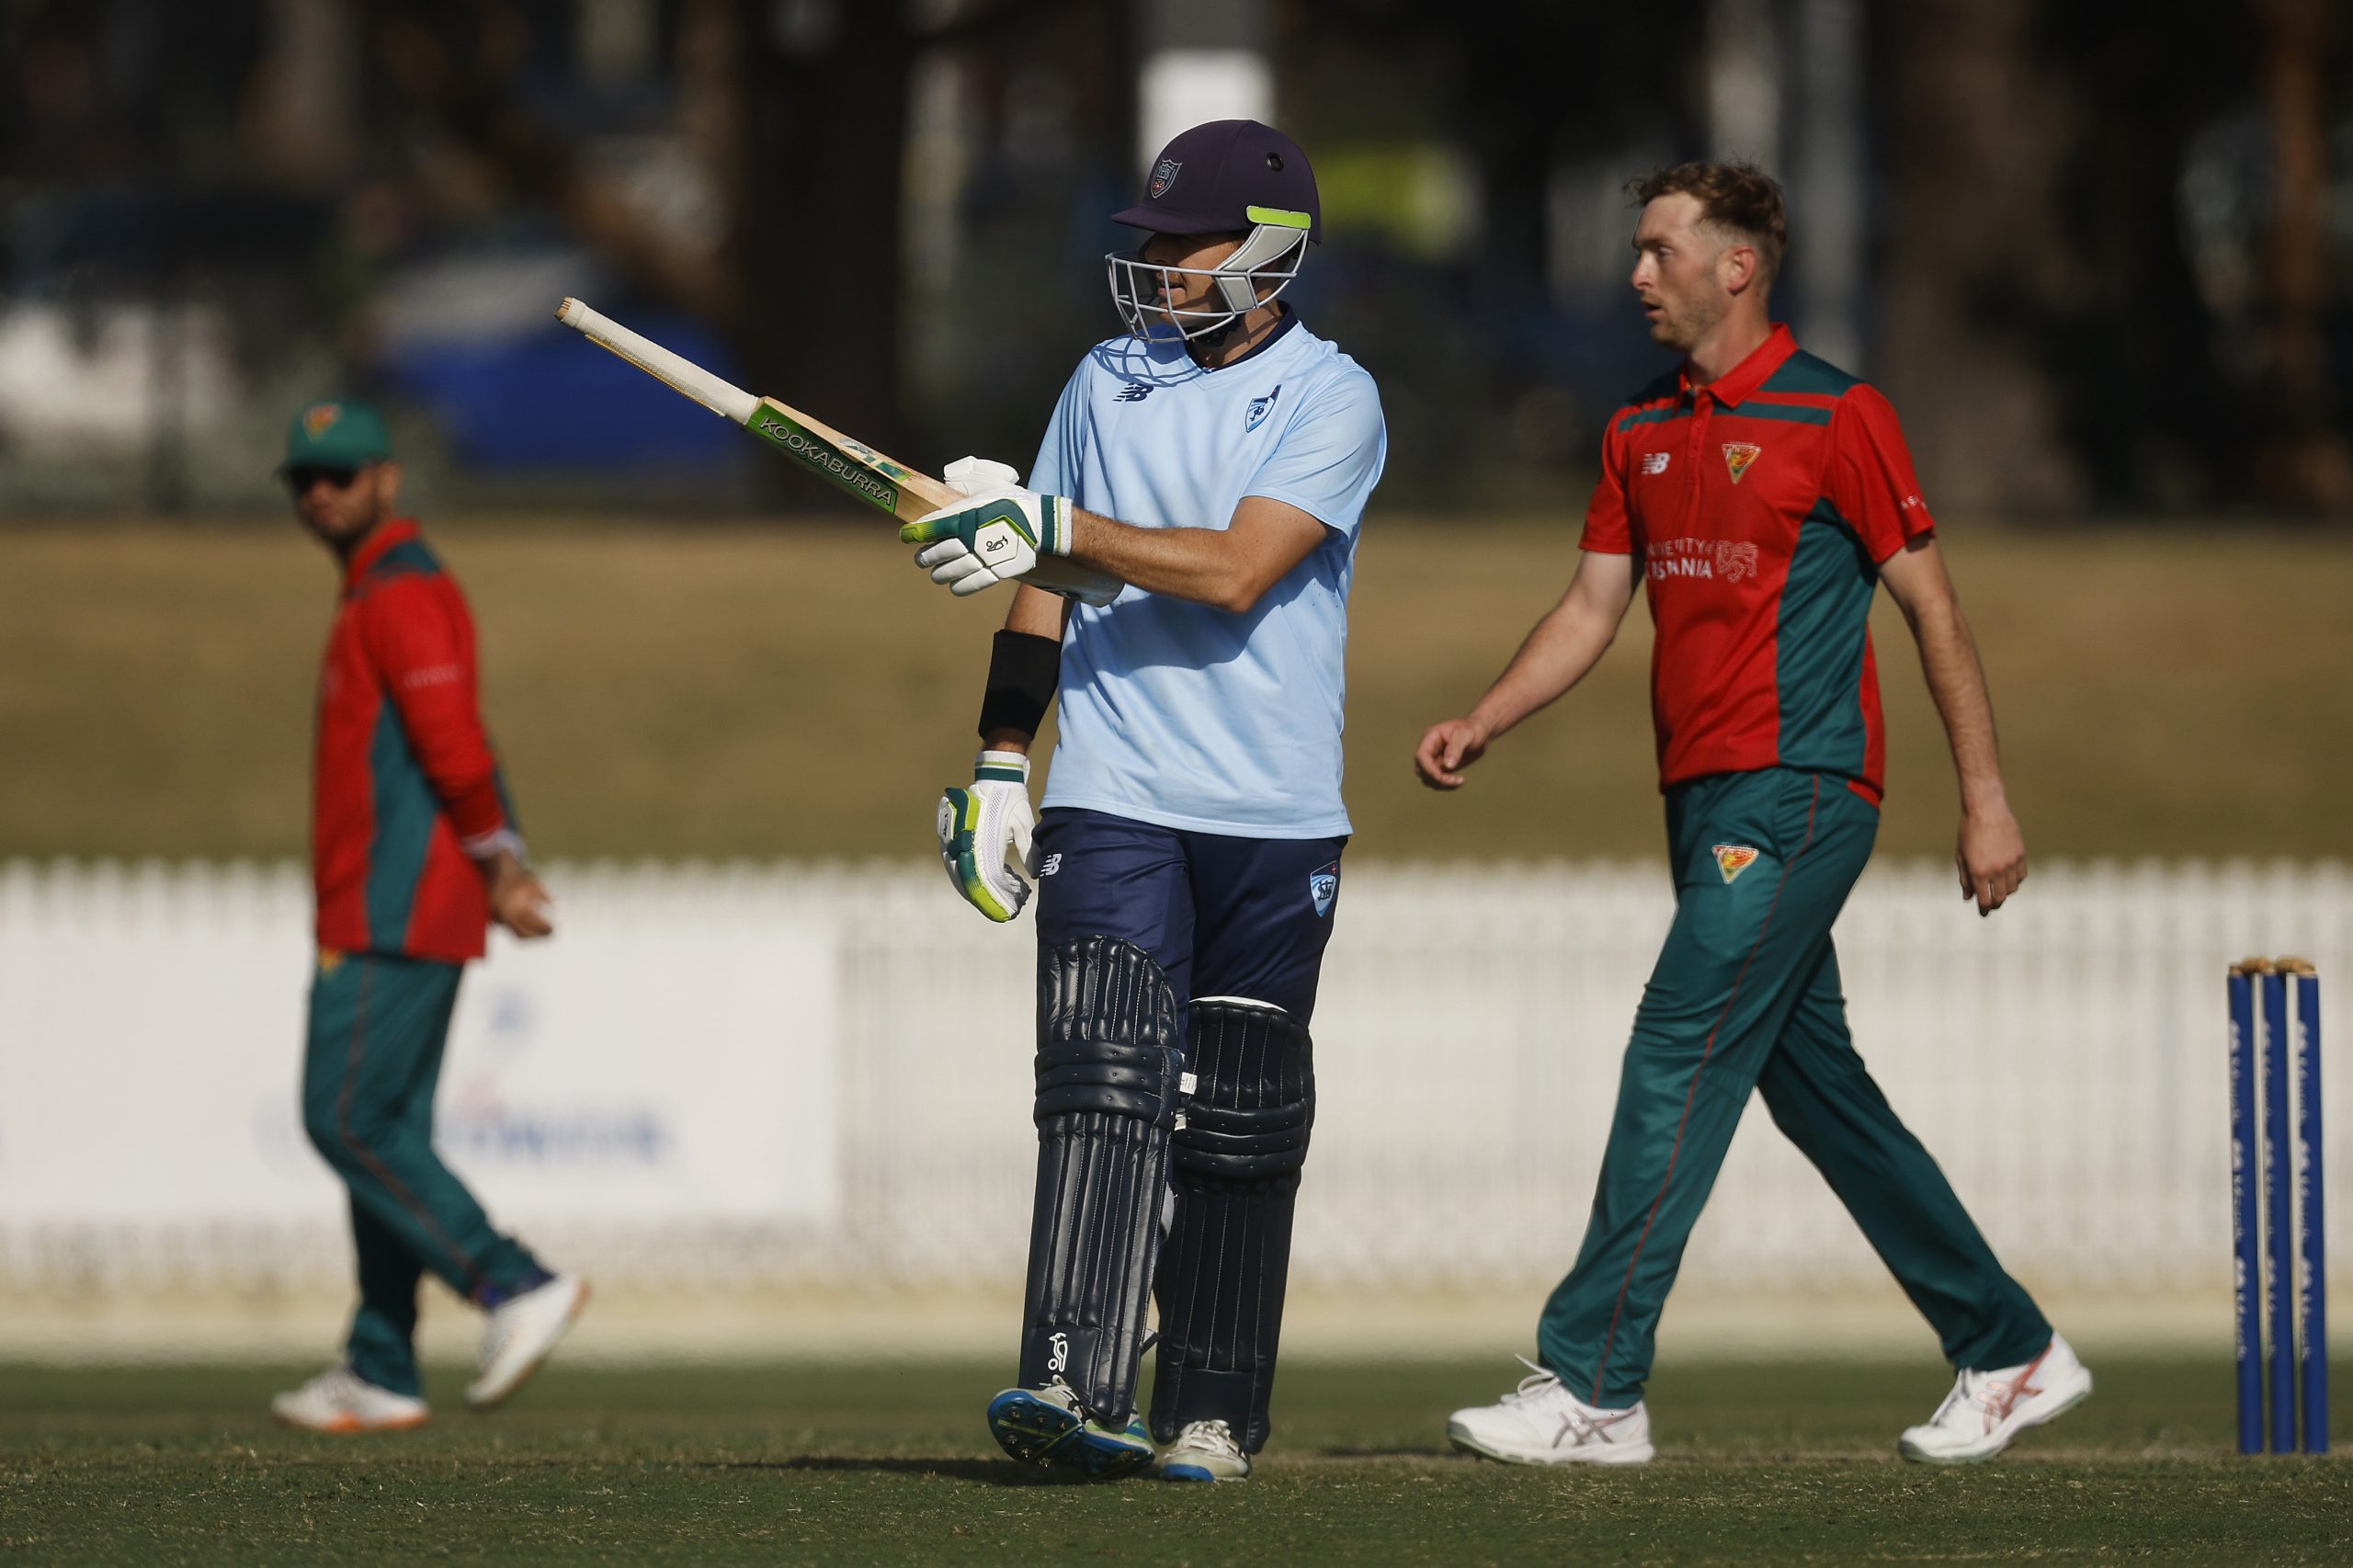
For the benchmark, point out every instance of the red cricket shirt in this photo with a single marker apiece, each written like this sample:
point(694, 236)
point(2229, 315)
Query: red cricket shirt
point(405, 778)
point(1759, 508)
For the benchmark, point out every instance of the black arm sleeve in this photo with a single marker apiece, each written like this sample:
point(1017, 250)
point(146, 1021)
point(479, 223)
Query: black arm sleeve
point(1024, 669)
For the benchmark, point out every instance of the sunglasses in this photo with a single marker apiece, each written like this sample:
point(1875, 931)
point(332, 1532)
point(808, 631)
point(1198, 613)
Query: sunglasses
point(299, 480)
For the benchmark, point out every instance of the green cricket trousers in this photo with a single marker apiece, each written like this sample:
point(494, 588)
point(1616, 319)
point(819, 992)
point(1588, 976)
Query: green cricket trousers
point(378, 1027)
point(1746, 996)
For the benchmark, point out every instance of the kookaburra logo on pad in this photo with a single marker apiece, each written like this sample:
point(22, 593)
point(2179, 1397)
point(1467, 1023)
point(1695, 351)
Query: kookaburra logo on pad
point(1057, 1352)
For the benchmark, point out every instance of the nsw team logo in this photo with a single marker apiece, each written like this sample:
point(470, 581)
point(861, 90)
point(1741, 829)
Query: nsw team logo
point(1256, 415)
point(1732, 859)
point(1738, 455)
point(1324, 888)
point(1163, 174)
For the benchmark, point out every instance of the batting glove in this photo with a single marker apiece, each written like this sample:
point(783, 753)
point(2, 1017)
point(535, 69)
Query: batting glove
point(979, 825)
point(1001, 533)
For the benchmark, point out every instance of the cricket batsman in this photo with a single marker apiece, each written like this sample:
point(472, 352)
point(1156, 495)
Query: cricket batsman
point(414, 851)
point(1216, 460)
point(1761, 497)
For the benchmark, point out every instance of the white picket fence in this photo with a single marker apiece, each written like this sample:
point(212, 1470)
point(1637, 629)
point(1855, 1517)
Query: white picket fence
point(763, 1073)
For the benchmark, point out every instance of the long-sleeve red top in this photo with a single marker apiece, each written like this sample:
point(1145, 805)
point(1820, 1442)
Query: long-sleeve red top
point(406, 781)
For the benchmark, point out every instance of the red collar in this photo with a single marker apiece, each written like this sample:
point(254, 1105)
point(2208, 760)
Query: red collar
point(1734, 386)
point(388, 536)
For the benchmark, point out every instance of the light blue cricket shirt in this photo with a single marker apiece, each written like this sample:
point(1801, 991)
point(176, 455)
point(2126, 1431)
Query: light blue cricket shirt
point(1177, 713)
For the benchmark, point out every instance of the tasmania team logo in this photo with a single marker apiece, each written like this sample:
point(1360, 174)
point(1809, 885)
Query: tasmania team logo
point(319, 419)
point(1735, 560)
point(1163, 174)
point(1732, 859)
point(1738, 455)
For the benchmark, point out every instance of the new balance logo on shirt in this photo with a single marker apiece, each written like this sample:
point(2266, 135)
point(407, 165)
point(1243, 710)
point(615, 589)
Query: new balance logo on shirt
point(1135, 391)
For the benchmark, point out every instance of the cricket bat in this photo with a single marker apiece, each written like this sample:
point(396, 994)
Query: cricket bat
point(884, 483)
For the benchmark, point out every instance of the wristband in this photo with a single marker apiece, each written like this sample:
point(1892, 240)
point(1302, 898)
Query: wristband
point(1055, 532)
point(1024, 670)
point(1001, 768)
point(488, 846)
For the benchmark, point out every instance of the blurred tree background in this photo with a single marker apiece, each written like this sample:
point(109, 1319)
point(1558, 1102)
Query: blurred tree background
point(2096, 261)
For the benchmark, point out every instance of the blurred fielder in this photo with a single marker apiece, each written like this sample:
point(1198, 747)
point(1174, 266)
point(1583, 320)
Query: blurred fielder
point(1762, 496)
point(1188, 858)
point(414, 850)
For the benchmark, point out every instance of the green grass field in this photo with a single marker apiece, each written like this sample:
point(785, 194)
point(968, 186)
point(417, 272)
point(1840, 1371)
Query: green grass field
point(886, 1464)
point(802, 690)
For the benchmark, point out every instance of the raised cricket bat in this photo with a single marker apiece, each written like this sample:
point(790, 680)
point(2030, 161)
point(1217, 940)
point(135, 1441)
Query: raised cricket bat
point(884, 483)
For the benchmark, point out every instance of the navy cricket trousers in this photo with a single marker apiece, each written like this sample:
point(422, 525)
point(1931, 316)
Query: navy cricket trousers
point(1223, 917)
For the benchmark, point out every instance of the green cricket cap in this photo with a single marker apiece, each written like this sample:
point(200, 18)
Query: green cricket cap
point(336, 434)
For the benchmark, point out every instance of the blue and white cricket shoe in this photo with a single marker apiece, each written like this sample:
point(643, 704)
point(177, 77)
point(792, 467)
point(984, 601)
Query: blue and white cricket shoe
point(1204, 1451)
point(1046, 1426)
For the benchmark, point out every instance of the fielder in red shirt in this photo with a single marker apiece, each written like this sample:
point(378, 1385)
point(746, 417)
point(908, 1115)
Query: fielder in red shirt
point(1760, 496)
point(414, 851)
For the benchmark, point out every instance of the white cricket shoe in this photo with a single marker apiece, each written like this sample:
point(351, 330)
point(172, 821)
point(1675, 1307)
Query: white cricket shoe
point(1985, 1410)
point(1204, 1451)
point(342, 1401)
point(518, 1336)
point(1543, 1423)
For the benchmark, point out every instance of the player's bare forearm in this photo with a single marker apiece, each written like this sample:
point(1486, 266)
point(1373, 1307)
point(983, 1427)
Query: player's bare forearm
point(1991, 852)
point(1558, 654)
point(1229, 568)
point(1035, 613)
point(1924, 591)
point(1955, 680)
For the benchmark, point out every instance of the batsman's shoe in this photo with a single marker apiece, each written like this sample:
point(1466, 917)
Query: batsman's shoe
point(1985, 1410)
point(1046, 1426)
point(342, 1401)
point(518, 1334)
point(1543, 1423)
point(1204, 1451)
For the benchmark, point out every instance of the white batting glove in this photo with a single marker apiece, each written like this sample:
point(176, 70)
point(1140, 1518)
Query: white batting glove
point(979, 825)
point(1005, 534)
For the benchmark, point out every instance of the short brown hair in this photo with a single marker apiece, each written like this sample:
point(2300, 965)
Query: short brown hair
point(1738, 197)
